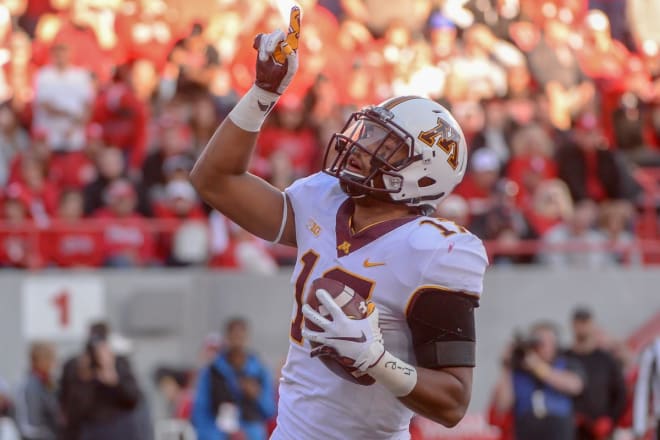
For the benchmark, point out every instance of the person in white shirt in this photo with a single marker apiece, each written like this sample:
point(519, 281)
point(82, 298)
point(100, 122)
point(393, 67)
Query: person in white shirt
point(63, 98)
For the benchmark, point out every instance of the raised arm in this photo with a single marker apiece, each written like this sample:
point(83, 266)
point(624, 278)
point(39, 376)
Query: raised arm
point(221, 176)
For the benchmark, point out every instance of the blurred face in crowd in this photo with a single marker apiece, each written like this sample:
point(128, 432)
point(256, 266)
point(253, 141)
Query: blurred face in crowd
point(584, 216)
point(123, 205)
point(203, 113)
point(144, 79)
point(43, 358)
point(588, 134)
point(552, 200)
point(470, 116)
point(14, 210)
point(236, 338)
point(33, 173)
point(173, 141)
point(486, 178)
point(110, 163)
point(443, 41)
point(21, 47)
point(518, 80)
point(169, 388)
point(546, 346)
point(615, 217)
point(7, 119)
point(584, 330)
point(71, 205)
point(61, 55)
point(182, 206)
point(495, 114)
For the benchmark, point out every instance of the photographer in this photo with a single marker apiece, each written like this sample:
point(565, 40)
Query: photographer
point(234, 396)
point(99, 393)
point(538, 385)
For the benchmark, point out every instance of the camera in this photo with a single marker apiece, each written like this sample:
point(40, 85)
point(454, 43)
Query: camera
point(522, 344)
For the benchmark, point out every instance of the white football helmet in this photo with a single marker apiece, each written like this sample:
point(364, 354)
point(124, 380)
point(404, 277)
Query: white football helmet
point(417, 150)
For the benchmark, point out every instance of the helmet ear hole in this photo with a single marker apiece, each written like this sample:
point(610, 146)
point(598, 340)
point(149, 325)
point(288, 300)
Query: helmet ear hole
point(425, 181)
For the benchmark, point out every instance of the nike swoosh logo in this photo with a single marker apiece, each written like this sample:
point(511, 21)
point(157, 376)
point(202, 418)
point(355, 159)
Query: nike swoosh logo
point(362, 338)
point(368, 263)
point(264, 107)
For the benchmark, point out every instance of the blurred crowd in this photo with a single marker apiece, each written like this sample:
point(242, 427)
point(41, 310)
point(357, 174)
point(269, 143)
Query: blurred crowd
point(229, 394)
point(105, 104)
point(595, 389)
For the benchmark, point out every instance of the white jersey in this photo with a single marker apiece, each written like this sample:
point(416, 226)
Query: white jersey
point(388, 262)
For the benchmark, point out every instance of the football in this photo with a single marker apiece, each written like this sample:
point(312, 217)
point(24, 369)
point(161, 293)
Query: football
point(355, 307)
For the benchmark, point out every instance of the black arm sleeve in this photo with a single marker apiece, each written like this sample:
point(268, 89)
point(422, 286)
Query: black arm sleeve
point(442, 327)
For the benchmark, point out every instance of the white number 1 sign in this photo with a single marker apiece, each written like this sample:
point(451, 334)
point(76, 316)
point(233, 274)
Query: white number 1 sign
point(61, 308)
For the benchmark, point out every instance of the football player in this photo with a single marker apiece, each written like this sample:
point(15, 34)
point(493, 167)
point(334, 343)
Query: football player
point(364, 221)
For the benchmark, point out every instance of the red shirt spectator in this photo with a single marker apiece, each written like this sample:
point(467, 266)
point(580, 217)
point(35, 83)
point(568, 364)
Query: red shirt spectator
point(41, 195)
point(71, 170)
point(123, 118)
point(127, 238)
point(291, 138)
point(85, 50)
point(527, 172)
point(67, 242)
point(478, 185)
point(19, 240)
point(180, 205)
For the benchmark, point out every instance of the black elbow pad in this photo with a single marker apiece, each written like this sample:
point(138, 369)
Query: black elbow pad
point(442, 326)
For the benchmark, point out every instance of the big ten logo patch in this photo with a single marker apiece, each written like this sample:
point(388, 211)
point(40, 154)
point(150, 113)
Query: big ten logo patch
point(313, 227)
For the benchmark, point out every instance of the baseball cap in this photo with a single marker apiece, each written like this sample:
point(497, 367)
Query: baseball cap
point(175, 163)
point(180, 189)
point(485, 159)
point(439, 21)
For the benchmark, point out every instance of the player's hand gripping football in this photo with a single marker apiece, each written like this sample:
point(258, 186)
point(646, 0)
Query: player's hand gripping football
point(277, 60)
point(357, 342)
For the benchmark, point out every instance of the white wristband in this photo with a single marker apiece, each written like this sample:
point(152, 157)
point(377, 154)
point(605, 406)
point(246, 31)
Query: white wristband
point(394, 374)
point(251, 111)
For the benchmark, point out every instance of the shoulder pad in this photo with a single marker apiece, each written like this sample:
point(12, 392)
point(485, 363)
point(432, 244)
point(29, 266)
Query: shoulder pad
point(456, 260)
